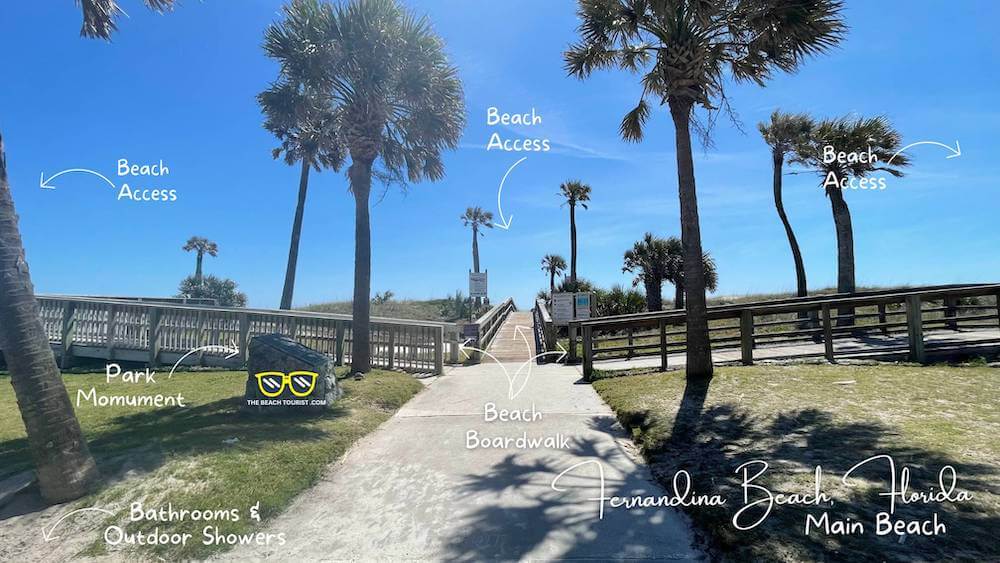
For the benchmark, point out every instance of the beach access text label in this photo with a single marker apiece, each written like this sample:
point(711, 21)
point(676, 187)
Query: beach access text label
point(140, 190)
point(495, 117)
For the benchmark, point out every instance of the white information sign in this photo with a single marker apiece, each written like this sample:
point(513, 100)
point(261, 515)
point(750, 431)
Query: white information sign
point(582, 306)
point(477, 284)
point(562, 308)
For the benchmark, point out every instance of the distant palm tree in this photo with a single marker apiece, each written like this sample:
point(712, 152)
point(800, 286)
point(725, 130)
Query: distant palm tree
point(649, 260)
point(675, 272)
point(575, 193)
point(63, 464)
point(554, 265)
point(400, 102)
point(298, 110)
point(201, 246)
point(684, 49)
point(850, 135)
point(783, 134)
point(476, 218)
point(99, 15)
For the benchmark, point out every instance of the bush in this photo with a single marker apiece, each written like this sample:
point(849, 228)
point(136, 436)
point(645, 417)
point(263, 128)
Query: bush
point(224, 291)
point(618, 301)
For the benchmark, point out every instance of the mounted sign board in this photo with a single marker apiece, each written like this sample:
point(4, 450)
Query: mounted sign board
point(582, 306)
point(477, 284)
point(562, 308)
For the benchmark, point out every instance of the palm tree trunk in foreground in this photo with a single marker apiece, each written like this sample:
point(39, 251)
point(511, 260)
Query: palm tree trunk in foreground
point(654, 297)
point(699, 349)
point(845, 252)
point(293, 248)
point(572, 244)
point(800, 270)
point(361, 182)
point(63, 463)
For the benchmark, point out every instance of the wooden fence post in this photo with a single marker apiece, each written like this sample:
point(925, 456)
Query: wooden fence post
point(572, 359)
point(915, 328)
point(112, 328)
point(664, 350)
point(630, 342)
point(340, 334)
point(154, 337)
point(453, 344)
point(68, 329)
point(244, 335)
point(828, 334)
point(200, 337)
point(882, 319)
point(588, 352)
point(438, 349)
point(951, 312)
point(392, 345)
point(746, 336)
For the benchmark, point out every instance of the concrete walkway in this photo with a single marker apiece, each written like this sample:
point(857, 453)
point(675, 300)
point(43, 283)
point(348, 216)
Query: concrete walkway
point(414, 490)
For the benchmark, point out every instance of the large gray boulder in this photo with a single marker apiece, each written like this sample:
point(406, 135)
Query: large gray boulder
point(292, 393)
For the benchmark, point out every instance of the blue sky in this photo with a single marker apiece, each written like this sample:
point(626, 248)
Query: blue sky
point(181, 88)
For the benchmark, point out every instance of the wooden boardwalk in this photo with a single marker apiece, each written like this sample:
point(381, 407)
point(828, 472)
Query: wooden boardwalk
point(511, 344)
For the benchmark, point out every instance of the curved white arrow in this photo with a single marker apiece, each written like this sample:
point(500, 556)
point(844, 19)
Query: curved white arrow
point(43, 183)
point(231, 350)
point(505, 222)
point(957, 151)
point(530, 363)
point(47, 534)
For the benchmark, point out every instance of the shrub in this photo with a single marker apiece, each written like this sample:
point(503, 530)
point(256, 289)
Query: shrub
point(224, 291)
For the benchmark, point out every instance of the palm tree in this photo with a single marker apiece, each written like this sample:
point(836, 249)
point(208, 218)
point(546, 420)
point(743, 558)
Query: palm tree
point(99, 15)
point(648, 259)
point(850, 135)
point(692, 45)
point(675, 273)
point(554, 265)
point(575, 193)
point(201, 246)
point(63, 464)
point(298, 110)
point(783, 134)
point(400, 103)
point(476, 218)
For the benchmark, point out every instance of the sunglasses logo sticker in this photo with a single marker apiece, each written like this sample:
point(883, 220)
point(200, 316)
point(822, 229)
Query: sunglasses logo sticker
point(273, 383)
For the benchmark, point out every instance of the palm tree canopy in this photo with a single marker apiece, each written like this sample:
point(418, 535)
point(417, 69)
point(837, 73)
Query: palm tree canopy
point(475, 216)
point(685, 48)
point(854, 135)
point(675, 265)
point(400, 99)
point(554, 264)
point(786, 131)
point(201, 244)
point(99, 15)
point(575, 192)
point(649, 259)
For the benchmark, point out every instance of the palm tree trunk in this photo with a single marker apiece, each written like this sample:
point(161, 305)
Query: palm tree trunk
point(654, 295)
point(63, 464)
point(678, 295)
point(845, 252)
point(699, 348)
point(475, 248)
point(800, 270)
point(360, 175)
point(552, 283)
point(197, 265)
point(572, 243)
point(293, 247)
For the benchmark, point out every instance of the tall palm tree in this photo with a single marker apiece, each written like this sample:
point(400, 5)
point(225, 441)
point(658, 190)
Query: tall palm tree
point(554, 265)
point(648, 259)
point(783, 134)
point(63, 464)
point(99, 15)
point(400, 103)
point(675, 272)
point(575, 193)
point(850, 135)
point(685, 49)
point(201, 246)
point(298, 110)
point(476, 218)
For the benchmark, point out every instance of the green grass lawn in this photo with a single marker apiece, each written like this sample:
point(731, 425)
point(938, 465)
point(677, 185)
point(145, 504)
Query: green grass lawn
point(180, 455)
point(798, 417)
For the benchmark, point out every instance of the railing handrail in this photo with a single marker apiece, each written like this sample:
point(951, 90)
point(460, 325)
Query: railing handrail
point(796, 304)
point(487, 317)
point(543, 310)
point(272, 312)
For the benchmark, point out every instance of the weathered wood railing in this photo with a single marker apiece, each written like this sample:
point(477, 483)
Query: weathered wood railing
point(157, 333)
point(748, 326)
point(545, 330)
point(485, 328)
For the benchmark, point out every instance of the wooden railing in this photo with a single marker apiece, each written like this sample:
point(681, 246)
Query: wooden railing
point(157, 333)
point(749, 326)
point(546, 334)
point(485, 328)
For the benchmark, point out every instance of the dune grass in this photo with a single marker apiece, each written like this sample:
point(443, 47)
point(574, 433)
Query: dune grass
point(206, 455)
point(797, 417)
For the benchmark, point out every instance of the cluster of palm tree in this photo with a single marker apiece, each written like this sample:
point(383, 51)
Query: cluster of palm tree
point(800, 139)
point(574, 193)
point(655, 260)
point(684, 51)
